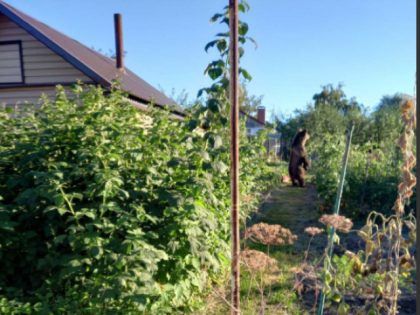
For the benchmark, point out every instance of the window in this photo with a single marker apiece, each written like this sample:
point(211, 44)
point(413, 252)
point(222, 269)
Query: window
point(11, 63)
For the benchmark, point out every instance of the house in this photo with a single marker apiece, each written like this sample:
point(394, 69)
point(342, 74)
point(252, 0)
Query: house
point(34, 58)
point(255, 124)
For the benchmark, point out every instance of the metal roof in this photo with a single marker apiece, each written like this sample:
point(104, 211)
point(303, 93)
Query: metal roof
point(98, 67)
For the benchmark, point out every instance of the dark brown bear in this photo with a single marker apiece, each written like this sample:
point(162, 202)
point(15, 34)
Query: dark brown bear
point(299, 162)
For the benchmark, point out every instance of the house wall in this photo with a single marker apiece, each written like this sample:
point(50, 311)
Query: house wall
point(250, 123)
point(41, 65)
point(19, 96)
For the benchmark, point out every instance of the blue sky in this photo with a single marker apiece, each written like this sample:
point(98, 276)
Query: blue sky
point(369, 45)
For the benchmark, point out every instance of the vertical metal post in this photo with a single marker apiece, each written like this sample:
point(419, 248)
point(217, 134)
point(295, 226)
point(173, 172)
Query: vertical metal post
point(234, 149)
point(337, 204)
point(119, 41)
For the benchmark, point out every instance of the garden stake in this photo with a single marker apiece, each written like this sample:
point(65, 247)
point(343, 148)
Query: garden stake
point(234, 149)
point(337, 206)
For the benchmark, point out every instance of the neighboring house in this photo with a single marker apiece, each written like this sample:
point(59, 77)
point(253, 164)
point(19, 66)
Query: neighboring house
point(34, 58)
point(255, 124)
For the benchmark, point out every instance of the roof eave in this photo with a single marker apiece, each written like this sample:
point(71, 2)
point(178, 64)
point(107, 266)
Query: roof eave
point(54, 46)
point(139, 99)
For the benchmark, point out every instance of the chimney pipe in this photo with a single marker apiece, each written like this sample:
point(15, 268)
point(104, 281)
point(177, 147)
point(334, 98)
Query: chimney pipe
point(261, 114)
point(119, 41)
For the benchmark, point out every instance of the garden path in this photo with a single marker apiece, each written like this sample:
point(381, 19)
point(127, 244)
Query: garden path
point(296, 209)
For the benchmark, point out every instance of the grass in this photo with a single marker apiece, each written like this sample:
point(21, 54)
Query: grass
point(279, 289)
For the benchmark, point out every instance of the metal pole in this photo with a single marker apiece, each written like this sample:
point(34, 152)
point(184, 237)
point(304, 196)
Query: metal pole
point(337, 205)
point(234, 149)
point(119, 41)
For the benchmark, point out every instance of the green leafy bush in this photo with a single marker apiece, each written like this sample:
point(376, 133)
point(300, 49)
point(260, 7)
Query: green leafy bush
point(107, 210)
point(371, 179)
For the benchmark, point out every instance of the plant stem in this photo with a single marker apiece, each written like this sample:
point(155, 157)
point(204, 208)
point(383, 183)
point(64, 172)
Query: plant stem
point(299, 282)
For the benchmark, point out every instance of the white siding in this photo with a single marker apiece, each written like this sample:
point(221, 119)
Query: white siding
point(23, 95)
point(41, 65)
point(18, 98)
point(10, 65)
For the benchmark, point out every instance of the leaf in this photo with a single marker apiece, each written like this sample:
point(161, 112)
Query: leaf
point(217, 141)
point(215, 73)
point(109, 294)
point(215, 17)
point(210, 44)
point(204, 155)
point(243, 29)
point(77, 196)
point(41, 264)
point(222, 45)
point(62, 211)
point(335, 295)
point(220, 167)
point(192, 124)
point(245, 74)
point(114, 157)
point(8, 225)
point(241, 52)
point(75, 263)
point(59, 239)
point(140, 301)
point(96, 252)
point(30, 234)
point(175, 199)
point(252, 40)
point(200, 92)
point(241, 7)
point(214, 105)
point(9, 109)
point(59, 200)
point(11, 183)
point(89, 214)
point(225, 20)
point(343, 308)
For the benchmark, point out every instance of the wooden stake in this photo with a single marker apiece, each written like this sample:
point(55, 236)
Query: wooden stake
point(234, 149)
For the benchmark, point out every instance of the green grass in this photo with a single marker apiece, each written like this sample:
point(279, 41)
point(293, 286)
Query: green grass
point(280, 288)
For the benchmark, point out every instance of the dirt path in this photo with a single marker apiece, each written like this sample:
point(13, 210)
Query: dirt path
point(293, 208)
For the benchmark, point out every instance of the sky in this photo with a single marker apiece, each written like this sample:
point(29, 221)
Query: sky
point(368, 45)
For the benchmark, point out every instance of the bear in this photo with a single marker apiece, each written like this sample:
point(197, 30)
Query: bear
point(299, 161)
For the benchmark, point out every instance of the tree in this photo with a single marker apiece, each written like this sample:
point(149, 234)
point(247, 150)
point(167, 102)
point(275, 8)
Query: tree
point(390, 101)
point(248, 103)
point(330, 114)
point(182, 99)
point(335, 98)
point(386, 123)
point(111, 54)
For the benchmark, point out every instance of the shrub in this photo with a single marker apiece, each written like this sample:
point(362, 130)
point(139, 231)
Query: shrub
point(371, 178)
point(107, 210)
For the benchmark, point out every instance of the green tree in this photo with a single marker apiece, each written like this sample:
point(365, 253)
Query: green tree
point(182, 99)
point(336, 98)
point(110, 54)
point(386, 122)
point(248, 103)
